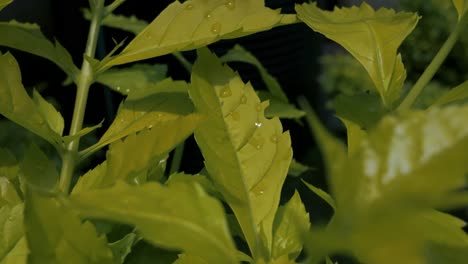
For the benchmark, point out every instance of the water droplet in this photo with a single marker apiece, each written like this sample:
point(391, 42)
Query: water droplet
point(274, 138)
point(225, 92)
point(136, 181)
point(259, 107)
point(235, 116)
point(257, 143)
point(243, 99)
point(258, 124)
point(162, 161)
point(189, 6)
point(231, 4)
point(208, 16)
point(150, 126)
point(118, 88)
point(216, 28)
point(258, 192)
point(127, 90)
point(121, 120)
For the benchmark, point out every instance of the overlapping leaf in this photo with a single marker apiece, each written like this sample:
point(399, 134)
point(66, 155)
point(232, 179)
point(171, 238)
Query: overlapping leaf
point(16, 105)
point(197, 23)
point(29, 38)
point(11, 219)
point(130, 24)
point(247, 156)
point(179, 216)
point(9, 167)
point(38, 169)
point(56, 235)
point(372, 37)
point(461, 6)
point(459, 93)
point(4, 3)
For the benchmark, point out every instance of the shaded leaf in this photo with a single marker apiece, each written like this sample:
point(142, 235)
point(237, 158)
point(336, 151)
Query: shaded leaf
point(355, 134)
point(83, 132)
point(11, 220)
point(49, 113)
point(136, 77)
point(8, 194)
point(296, 168)
point(144, 253)
point(279, 108)
point(179, 216)
point(123, 247)
point(29, 38)
point(18, 254)
point(4, 3)
point(461, 6)
point(197, 23)
point(16, 105)
point(131, 24)
point(38, 170)
point(9, 167)
point(246, 155)
point(372, 37)
point(291, 222)
point(56, 235)
point(167, 101)
point(322, 194)
point(91, 180)
point(131, 158)
point(362, 109)
point(239, 54)
point(457, 94)
point(189, 259)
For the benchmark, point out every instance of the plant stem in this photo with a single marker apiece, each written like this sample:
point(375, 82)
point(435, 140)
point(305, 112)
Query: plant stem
point(187, 65)
point(431, 70)
point(85, 80)
point(110, 8)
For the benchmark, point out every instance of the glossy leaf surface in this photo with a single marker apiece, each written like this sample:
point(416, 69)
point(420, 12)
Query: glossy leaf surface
point(29, 38)
point(16, 105)
point(179, 216)
point(247, 156)
point(56, 235)
point(197, 23)
point(372, 37)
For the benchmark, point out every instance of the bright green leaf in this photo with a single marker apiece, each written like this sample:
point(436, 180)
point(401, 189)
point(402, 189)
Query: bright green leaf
point(131, 24)
point(189, 259)
point(4, 3)
point(291, 222)
point(178, 216)
point(201, 180)
point(123, 247)
point(246, 155)
point(9, 167)
point(38, 170)
point(239, 54)
point(461, 6)
point(91, 180)
point(279, 108)
point(29, 38)
point(16, 105)
point(459, 93)
point(167, 101)
point(355, 134)
point(56, 235)
point(49, 113)
point(83, 132)
point(322, 194)
point(197, 23)
point(372, 37)
point(136, 77)
point(11, 219)
point(18, 254)
point(132, 158)
point(296, 168)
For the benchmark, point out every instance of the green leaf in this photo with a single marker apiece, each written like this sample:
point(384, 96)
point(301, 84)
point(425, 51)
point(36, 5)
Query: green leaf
point(83, 132)
point(9, 167)
point(246, 155)
point(296, 168)
point(322, 194)
point(239, 54)
point(38, 170)
point(201, 180)
point(279, 108)
point(131, 159)
point(123, 247)
point(362, 109)
point(29, 38)
point(16, 105)
point(461, 6)
point(167, 101)
point(91, 180)
point(136, 77)
point(8, 194)
point(18, 254)
point(355, 134)
point(459, 93)
point(49, 113)
point(4, 3)
point(291, 222)
point(56, 235)
point(189, 259)
point(178, 216)
point(372, 37)
point(131, 24)
point(11, 220)
point(197, 23)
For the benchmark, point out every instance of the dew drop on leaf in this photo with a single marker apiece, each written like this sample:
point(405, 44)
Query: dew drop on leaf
point(127, 90)
point(235, 116)
point(258, 124)
point(274, 139)
point(189, 6)
point(208, 16)
point(118, 88)
point(231, 4)
point(150, 126)
point(216, 28)
point(225, 92)
point(256, 143)
point(243, 99)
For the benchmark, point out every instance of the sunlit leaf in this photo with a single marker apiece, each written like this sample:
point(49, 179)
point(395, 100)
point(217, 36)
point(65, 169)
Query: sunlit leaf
point(38, 169)
point(91, 180)
point(4, 3)
point(322, 194)
point(29, 38)
point(355, 134)
point(461, 6)
point(239, 54)
point(279, 108)
point(457, 94)
point(9, 167)
point(136, 77)
point(18, 254)
point(131, 24)
point(132, 158)
point(178, 216)
point(246, 155)
point(16, 105)
point(291, 222)
point(56, 235)
point(49, 113)
point(372, 37)
point(197, 23)
point(167, 101)
point(201, 180)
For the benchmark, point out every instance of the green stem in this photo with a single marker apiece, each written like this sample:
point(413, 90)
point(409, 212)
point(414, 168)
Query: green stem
point(187, 65)
point(110, 8)
point(85, 80)
point(431, 70)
